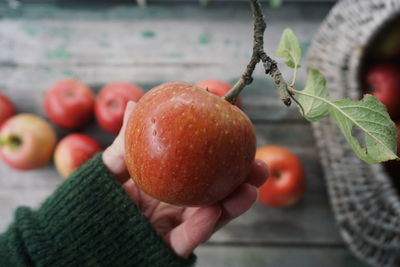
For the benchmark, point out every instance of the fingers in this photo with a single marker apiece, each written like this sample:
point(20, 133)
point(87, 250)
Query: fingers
point(198, 224)
point(237, 203)
point(243, 198)
point(258, 173)
point(113, 156)
point(130, 107)
point(195, 230)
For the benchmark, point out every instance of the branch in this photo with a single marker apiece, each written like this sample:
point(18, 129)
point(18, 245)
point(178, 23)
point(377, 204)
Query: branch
point(258, 55)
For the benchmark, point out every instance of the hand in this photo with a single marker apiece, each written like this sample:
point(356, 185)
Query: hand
point(182, 228)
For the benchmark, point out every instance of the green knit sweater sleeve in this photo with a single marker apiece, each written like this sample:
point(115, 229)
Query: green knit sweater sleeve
point(88, 221)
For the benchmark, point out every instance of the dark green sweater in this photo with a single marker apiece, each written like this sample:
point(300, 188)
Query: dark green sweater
point(88, 221)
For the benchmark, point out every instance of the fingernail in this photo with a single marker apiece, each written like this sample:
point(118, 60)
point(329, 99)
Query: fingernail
point(219, 211)
point(262, 166)
point(131, 104)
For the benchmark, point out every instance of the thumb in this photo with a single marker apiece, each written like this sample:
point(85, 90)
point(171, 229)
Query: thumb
point(114, 155)
point(130, 107)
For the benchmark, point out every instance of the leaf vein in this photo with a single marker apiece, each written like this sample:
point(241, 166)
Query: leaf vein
point(338, 108)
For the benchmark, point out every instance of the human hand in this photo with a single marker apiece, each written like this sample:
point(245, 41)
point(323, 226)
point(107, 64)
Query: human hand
point(183, 228)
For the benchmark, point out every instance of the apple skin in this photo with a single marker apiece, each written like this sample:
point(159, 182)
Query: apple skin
point(37, 139)
point(188, 147)
point(384, 83)
point(286, 182)
point(73, 151)
point(69, 104)
point(7, 108)
point(218, 88)
point(111, 102)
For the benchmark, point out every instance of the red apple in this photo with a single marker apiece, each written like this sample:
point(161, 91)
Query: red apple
point(7, 108)
point(73, 151)
point(218, 88)
point(111, 103)
point(286, 182)
point(26, 142)
point(188, 147)
point(384, 83)
point(69, 104)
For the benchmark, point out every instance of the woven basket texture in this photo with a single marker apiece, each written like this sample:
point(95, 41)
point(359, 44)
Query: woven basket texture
point(364, 200)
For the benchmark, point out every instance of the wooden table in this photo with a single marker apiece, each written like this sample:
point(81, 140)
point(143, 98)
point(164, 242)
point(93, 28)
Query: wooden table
point(44, 42)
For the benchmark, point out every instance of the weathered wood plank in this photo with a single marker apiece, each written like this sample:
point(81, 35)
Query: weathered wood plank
point(261, 101)
point(308, 222)
point(150, 2)
point(50, 35)
point(114, 10)
point(77, 42)
point(222, 256)
point(47, 43)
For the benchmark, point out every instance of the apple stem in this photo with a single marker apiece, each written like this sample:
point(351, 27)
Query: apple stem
point(258, 55)
point(11, 141)
point(234, 92)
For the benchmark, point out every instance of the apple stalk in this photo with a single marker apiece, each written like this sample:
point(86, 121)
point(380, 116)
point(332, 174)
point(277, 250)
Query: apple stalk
point(270, 65)
point(11, 141)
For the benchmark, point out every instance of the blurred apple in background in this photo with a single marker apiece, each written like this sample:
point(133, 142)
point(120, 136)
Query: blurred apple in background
point(26, 142)
point(69, 104)
point(286, 181)
point(7, 108)
point(218, 88)
point(111, 102)
point(73, 151)
point(383, 82)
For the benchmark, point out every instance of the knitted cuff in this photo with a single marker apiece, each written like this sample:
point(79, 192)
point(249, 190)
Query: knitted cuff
point(90, 221)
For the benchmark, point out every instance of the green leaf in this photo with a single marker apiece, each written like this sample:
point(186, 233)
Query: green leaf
point(371, 117)
point(313, 108)
point(365, 124)
point(289, 49)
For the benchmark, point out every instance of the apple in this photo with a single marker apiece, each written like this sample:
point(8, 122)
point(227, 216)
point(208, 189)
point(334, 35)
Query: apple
point(384, 83)
point(7, 108)
point(69, 104)
point(26, 142)
point(73, 151)
point(218, 88)
point(111, 102)
point(187, 146)
point(286, 182)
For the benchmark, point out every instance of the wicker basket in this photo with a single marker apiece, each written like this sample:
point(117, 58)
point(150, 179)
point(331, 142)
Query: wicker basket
point(364, 201)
